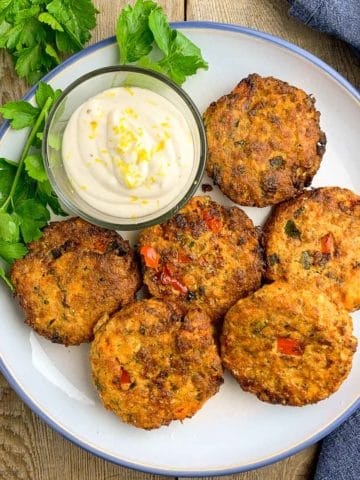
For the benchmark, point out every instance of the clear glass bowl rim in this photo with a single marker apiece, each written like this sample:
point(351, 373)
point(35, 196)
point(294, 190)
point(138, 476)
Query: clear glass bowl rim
point(64, 200)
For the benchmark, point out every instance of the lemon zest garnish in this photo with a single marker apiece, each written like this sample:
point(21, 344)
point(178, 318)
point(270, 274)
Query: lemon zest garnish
point(101, 161)
point(130, 183)
point(142, 155)
point(131, 112)
point(131, 177)
point(160, 146)
point(130, 92)
point(93, 125)
point(127, 136)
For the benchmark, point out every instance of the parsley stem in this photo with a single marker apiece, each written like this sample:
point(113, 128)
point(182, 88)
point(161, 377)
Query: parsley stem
point(28, 143)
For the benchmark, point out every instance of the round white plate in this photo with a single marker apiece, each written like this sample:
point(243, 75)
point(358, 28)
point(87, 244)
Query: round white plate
point(233, 431)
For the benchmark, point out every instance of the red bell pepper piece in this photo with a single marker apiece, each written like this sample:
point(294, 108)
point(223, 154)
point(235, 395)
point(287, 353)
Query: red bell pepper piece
point(327, 243)
point(151, 257)
point(289, 346)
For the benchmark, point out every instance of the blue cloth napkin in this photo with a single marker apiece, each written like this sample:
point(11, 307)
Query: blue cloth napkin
point(336, 17)
point(339, 457)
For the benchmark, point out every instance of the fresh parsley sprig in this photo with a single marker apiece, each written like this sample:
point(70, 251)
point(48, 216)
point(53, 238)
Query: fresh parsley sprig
point(37, 32)
point(145, 25)
point(25, 191)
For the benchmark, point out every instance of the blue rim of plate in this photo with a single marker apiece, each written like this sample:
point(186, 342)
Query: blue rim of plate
point(160, 471)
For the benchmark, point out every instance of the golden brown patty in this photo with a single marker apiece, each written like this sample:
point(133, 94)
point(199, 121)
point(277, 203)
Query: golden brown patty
point(288, 346)
point(152, 364)
point(264, 141)
point(314, 239)
point(206, 255)
point(72, 276)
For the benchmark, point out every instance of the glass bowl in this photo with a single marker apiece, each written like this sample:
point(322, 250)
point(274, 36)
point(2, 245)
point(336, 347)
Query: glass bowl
point(90, 85)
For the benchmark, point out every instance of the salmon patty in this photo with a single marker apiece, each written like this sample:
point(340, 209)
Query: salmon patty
point(206, 255)
point(152, 364)
point(264, 141)
point(71, 277)
point(288, 345)
point(314, 239)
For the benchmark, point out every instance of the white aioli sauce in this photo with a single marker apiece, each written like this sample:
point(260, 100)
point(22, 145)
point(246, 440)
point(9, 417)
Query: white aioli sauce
point(128, 151)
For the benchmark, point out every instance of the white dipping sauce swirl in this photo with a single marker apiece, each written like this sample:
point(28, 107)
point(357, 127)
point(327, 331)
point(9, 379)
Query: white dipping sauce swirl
point(128, 152)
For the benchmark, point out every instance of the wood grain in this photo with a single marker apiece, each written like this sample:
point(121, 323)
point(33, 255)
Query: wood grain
point(271, 16)
point(29, 449)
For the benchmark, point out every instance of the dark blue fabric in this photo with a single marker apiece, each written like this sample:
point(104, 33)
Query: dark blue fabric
point(336, 17)
point(339, 457)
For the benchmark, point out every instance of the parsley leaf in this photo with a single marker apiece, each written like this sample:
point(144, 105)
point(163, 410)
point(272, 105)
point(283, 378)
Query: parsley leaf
point(7, 174)
point(45, 17)
point(43, 92)
point(6, 279)
point(75, 17)
point(182, 57)
point(64, 43)
point(9, 227)
point(46, 195)
point(21, 114)
point(141, 26)
point(29, 62)
point(35, 167)
point(146, 62)
point(35, 31)
point(133, 32)
point(25, 188)
point(52, 53)
point(33, 216)
point(12, 251)
point(163, 34)
point(25, 191)
point(9, 8)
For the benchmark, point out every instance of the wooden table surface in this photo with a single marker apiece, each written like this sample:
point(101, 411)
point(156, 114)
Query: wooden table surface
point(29, 449)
